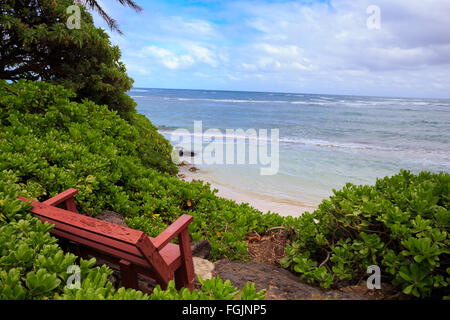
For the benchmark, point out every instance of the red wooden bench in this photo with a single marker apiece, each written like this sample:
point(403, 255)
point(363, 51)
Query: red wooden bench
point(134, 251)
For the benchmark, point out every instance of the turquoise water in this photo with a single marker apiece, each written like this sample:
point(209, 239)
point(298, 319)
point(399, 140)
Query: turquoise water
point(325, 140)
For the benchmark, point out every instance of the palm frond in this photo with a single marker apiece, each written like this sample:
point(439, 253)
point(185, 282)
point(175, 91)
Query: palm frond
point(94, 5)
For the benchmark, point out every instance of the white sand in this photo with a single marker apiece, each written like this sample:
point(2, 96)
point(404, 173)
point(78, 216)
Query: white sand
point(260, 202)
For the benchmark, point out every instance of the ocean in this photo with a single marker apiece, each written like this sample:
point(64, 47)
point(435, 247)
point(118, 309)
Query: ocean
point(325, 141)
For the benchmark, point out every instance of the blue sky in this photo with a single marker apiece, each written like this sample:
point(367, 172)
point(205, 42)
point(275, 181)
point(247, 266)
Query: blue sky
point(287, 46)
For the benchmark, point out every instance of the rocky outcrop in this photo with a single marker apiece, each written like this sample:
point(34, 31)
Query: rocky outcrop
point(112, 217)
point(201, 249)
point(280, 283)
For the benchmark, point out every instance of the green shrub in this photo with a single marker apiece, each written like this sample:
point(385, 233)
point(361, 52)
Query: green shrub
point(152, 148)
point(211, 289)
point(400, 224)
point(32, 265)
point(97, 287)
point(52, 144)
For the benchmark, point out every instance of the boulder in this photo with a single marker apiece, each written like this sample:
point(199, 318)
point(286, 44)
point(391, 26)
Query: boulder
point(182, 153)
point(112, 217)
point(203, 267)
point(279, 283)
point(201, 249)
point(183, 163)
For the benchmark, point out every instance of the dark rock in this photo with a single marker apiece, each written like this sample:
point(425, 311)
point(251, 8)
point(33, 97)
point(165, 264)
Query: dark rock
point(201, 249)
point(115, 278)
point(182, 153)
point(193, 169)
point(112, 217)
point(145, 284)
point(183, 163)
point(280, 283)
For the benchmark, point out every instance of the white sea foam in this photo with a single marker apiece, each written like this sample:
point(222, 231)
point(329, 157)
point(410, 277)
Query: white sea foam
point(383, 134)
point(228, 100)
point(301, 102)
point(311, 142)
point(319, 103)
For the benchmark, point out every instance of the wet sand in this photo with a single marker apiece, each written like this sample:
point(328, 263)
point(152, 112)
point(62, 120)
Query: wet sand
point(260, 202)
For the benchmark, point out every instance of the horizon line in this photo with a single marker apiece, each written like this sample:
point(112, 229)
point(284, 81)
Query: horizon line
point(276, 92)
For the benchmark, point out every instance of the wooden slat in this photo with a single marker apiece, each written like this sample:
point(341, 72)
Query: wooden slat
point(186, 254)
point(171, 255)
point(172, 231)
point(62, 197)
point(184, 276)
point(128, 276)
point(93, 225)
point(146, 270)
point(83, 234)
point(70, 205)
point(145, 245)
point(117, 254)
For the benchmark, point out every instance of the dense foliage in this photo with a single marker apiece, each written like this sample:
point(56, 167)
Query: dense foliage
point(89, 136)
point(33, 266)
point(211, 289)
point(49, 144)
point(52, 144)
point(37, 45)
point(400, 224)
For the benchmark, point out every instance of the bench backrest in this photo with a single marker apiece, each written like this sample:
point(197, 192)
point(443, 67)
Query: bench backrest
point(104, 236)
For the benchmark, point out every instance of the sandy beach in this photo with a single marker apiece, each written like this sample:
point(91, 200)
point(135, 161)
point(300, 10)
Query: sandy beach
point(262, 203)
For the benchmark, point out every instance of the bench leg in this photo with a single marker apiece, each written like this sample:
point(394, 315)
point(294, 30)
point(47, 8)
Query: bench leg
point(70, 205)
point(127, 275)
point(184, 276)
point(181, 281)
point(78, 250)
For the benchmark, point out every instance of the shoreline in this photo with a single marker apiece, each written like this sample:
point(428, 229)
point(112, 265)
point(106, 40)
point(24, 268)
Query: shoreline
point(260, 202)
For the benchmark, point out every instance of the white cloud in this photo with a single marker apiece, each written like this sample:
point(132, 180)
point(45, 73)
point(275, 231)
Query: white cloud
point(186, 28)
point(202, 54)
point(298, 46)
point(188, 56)
point(322, 44)
point(169, 59)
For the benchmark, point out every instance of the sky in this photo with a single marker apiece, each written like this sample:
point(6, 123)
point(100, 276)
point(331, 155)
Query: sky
point(395, 48)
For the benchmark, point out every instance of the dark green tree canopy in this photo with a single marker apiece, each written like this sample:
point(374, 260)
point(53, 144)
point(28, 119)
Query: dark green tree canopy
point(36, 44)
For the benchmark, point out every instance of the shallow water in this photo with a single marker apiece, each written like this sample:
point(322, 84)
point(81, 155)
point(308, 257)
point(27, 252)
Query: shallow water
point(325, 141)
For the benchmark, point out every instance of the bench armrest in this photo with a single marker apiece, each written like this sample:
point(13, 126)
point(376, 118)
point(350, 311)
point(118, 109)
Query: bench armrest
point(172, 231)
point(66, 196)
